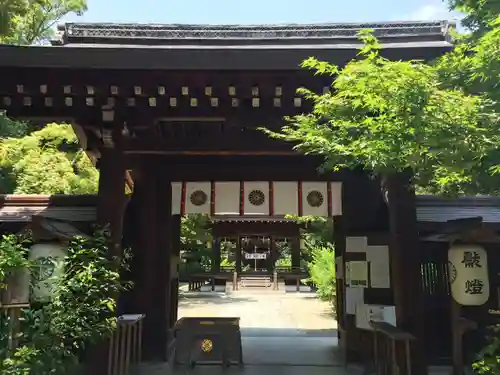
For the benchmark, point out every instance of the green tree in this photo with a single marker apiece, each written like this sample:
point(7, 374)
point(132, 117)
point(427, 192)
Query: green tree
point(33, 21)
point(11, 128)
point(47, 161)
point(10, 10)
point(322, 272)
point(474, 67)
point(479, 14)
point(195, 235)
point(391, 116)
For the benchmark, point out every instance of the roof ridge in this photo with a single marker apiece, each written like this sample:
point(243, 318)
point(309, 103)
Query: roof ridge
point(253, 26)
point(117, 33)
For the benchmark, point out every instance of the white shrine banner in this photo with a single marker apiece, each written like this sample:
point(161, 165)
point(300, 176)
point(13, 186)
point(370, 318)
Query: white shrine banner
point(197, 198)
point(336, 198)
point(176, 198)
point(256, 198)
point(286, 200)
point(315, 199)
point(253, 198)
point(227, 198)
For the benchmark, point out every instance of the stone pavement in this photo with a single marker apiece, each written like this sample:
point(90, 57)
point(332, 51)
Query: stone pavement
point(282, 333)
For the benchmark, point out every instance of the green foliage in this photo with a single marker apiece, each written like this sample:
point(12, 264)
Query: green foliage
point(10, 11)
point(13, 255)
point(227, 264)
point(82, 311)
point(47, 161)
point(195, 235)
point(488, 359)
point(33, 21)
point(322, 272)
point(391, 116)
point(11, 128)
point(317, 232)
point(474, 67)
point(479, 14)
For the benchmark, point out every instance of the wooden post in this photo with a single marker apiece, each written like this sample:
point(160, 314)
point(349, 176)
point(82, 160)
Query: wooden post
point(405, 258)
point(339, 240)
point(110, 212)
point(295, 253)
point(216, 255)
point(238, 256)
point(176, 248)
point(235, 280)
point(153, 250)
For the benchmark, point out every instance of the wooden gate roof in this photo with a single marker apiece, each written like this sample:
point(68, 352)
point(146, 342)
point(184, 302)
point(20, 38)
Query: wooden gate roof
point(267, 47)
point(345, 34)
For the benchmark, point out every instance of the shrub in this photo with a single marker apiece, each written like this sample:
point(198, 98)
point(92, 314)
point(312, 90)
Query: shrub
point(322, 272)
point(81, 312)
point(488, 359)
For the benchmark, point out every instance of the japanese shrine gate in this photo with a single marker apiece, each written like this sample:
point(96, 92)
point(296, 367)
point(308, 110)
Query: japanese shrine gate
point(175, 111)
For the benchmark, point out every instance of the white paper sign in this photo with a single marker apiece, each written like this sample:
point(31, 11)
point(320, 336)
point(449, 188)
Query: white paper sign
point(375, 313)
point(353, 297)
point(255, 255)
point(356, 244)
point(380, 276)
point(358, 274)
point(378, 256)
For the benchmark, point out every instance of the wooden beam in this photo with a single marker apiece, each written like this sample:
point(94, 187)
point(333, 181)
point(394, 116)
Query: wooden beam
point(236, 167)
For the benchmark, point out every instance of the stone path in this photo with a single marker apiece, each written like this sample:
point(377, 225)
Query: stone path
point(282, 333)
point(295, 311)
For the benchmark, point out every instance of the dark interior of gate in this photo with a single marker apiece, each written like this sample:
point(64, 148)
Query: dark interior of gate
point(172, 104)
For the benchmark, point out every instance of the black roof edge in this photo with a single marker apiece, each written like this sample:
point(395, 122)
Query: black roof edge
point(216, 58)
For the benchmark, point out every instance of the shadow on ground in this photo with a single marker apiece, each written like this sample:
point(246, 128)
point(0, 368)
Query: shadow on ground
point(287, 332)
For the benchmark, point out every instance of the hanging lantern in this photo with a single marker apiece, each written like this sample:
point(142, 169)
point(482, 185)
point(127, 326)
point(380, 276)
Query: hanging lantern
point(209, 244)
point(468, 273)
point(48, 261)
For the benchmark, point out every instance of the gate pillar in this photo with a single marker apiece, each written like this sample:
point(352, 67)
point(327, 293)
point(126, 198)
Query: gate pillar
point(111, 201)
point(364, 214)
point(175, 258)
point(405, 262)
point(152, 249)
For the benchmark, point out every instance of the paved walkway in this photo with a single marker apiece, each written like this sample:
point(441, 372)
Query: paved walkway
point(282, 333)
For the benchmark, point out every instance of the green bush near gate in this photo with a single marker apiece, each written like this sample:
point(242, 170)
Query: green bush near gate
point(488, 359)
point(54, 336)
point(322, 272)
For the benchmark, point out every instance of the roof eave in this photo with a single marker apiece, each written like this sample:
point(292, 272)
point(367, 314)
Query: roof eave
point(208, 58)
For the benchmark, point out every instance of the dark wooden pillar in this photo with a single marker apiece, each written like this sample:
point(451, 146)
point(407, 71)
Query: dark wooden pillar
point(216, 255)
point(295, 252)
point(405, 260)
point(174, 287)
point(152, 248)
point(339, 240)
point(238, 255)
point(111, 196)
point(110, 211)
